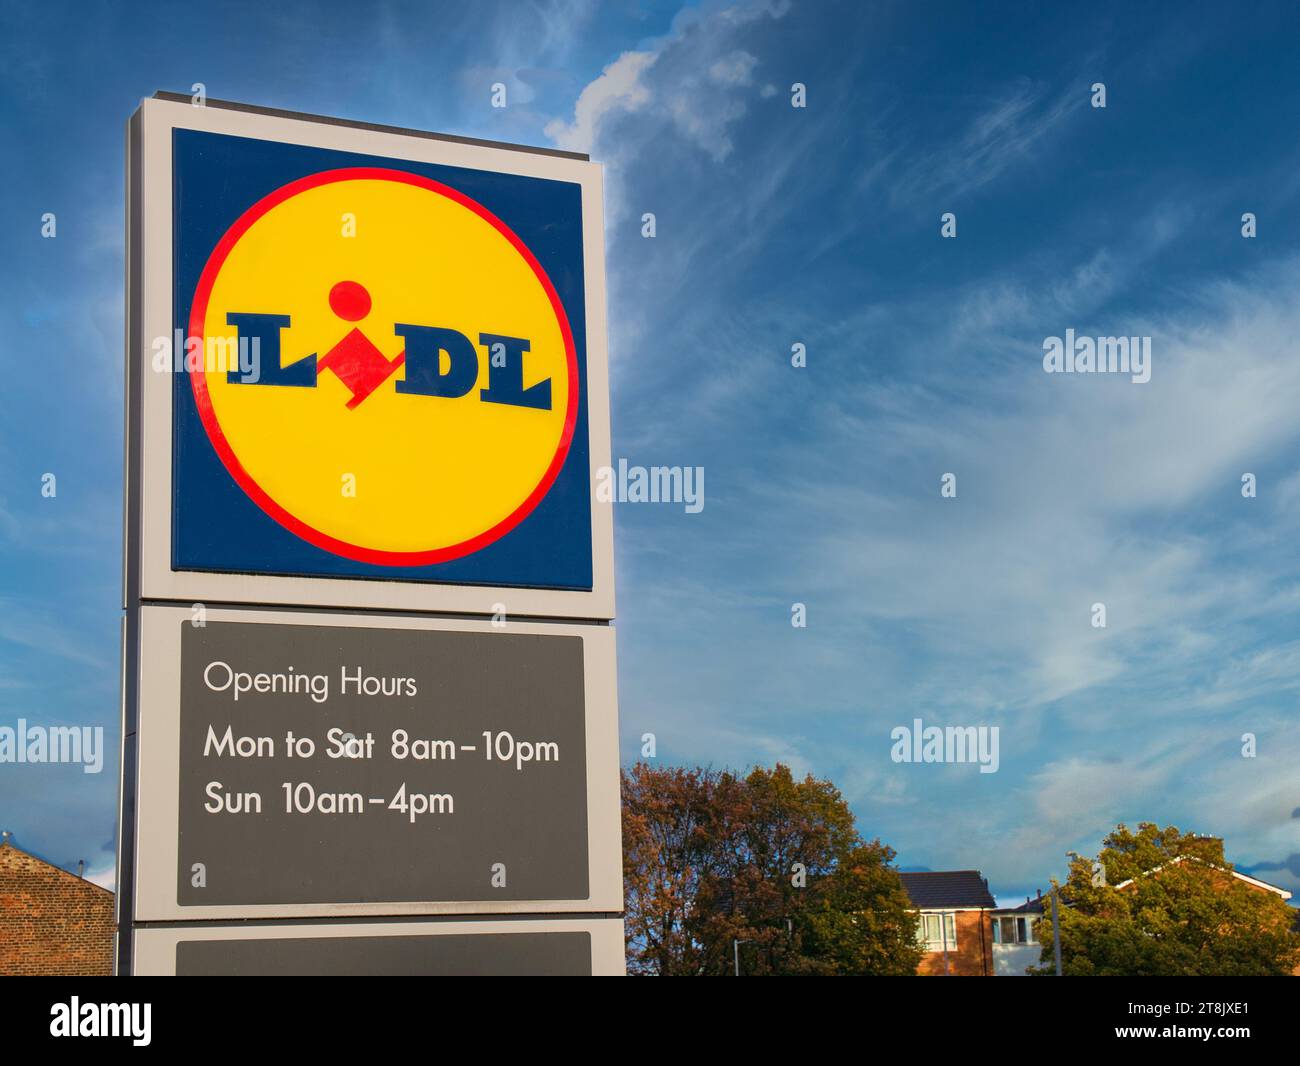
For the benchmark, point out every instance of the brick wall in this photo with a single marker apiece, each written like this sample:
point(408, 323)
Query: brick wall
point(974, 954)
point(51, 921)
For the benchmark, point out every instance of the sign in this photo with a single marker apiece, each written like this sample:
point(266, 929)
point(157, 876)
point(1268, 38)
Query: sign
point(368, 673)
point(296, 765)
point(370, 368)
point(554, 948)
point(430, 441)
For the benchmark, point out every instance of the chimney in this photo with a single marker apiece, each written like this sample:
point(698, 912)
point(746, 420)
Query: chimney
point(1040, 893)
point(81, 868)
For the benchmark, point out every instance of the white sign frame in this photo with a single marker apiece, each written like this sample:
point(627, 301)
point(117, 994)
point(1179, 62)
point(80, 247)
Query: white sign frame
point(157, 785)
point(150, 315)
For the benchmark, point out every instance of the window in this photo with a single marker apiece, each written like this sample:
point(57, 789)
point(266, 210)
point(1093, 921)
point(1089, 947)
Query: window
point(931, 928)
point(1013, 931)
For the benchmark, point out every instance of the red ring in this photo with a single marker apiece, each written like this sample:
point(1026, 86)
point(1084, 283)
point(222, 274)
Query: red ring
point(203, 400)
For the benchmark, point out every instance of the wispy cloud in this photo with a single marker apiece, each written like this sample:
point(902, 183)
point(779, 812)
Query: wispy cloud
point(1005, 133)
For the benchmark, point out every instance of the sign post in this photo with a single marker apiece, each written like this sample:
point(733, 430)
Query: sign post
point(368, 666)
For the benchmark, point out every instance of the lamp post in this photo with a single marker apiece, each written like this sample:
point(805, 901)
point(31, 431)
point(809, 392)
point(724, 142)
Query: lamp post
point(943, 925)
point(1056, 928)
point(735, 949)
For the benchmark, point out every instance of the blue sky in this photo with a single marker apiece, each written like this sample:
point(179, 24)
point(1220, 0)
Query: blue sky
point(778, 225)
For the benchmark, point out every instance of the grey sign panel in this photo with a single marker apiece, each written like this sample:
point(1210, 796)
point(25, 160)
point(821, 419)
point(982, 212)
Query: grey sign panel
point(303, 764)
point(549, 947)
point(378, 764)
point(463, 955)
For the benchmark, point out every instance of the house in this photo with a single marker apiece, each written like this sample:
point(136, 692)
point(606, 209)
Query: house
point(966, 934)
point(955, 927)
point(51, 922)
point(1015, 937)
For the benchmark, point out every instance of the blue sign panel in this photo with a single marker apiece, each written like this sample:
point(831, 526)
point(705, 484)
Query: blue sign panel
point(382, 369)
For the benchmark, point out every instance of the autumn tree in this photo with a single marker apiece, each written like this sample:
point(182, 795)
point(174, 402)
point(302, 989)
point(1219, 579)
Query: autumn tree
point(711, 858)
point(1167, 905)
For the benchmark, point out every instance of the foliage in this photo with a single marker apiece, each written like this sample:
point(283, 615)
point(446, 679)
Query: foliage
point(1183, 914)
point(710, 858)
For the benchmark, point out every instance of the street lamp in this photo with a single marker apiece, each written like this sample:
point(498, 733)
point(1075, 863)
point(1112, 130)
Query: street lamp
point(1056, 928)
point(735, 949)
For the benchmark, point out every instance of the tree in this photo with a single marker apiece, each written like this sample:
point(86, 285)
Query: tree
point(710, 858)
point(1183, 914)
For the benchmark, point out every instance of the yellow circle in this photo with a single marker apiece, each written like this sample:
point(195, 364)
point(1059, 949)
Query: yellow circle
point(397, 472)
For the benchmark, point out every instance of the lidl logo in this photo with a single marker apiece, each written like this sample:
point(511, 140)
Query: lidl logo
point(417, 390)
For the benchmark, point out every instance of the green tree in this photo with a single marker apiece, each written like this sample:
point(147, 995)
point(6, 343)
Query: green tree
point(1183, 914)
point(711, 858)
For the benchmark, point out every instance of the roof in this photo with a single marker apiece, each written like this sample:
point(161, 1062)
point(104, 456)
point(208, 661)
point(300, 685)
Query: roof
point(13, 857)
point(948, 888)
point(1030, 906)
point(1255, 881)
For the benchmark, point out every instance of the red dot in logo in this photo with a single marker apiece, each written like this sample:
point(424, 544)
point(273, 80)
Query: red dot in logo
point(350, 301)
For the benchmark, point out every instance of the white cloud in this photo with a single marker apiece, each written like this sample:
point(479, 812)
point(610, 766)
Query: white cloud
point(1071, 491)
point(105, 876)
point(619, 88)
point(734, 69)
point(1005, 134)
point(692, 82)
